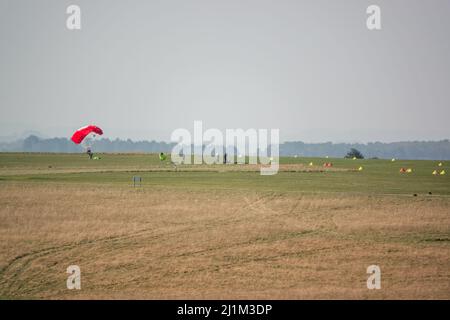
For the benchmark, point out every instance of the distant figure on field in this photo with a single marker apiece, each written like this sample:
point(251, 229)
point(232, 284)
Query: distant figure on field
point(89, 152)
point(162, 156)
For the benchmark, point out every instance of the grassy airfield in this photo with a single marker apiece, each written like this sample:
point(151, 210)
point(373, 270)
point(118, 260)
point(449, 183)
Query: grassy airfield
point(222, 231)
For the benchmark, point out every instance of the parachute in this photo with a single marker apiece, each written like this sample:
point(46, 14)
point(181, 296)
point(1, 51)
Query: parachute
point(81, 133)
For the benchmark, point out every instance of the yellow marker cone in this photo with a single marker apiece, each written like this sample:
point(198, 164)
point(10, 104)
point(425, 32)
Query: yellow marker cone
point(434, 172)
point(360, 168)
point(440, 164)
point(409, 170)
point(442, 172)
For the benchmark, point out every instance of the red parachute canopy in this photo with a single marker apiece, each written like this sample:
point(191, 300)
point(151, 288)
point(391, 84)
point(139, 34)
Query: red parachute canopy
point(81, 133)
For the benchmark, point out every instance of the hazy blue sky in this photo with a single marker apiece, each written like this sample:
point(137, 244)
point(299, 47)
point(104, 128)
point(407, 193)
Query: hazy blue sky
point(140, 69)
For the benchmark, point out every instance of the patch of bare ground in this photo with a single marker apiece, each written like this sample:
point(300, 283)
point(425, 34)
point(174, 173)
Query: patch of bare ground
point(168, 167)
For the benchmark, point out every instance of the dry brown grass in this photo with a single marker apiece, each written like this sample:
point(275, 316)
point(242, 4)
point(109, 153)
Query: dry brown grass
point(151, 243)
point(167, 167)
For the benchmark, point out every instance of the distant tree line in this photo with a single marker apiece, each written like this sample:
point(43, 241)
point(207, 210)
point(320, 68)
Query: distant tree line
point(422, 150)
point(438, 150)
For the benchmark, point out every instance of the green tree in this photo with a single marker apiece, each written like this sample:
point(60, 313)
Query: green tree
point(354, 153)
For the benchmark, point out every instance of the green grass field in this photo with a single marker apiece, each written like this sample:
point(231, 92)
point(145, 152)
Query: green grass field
point(222, 231)
point(377, 176)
